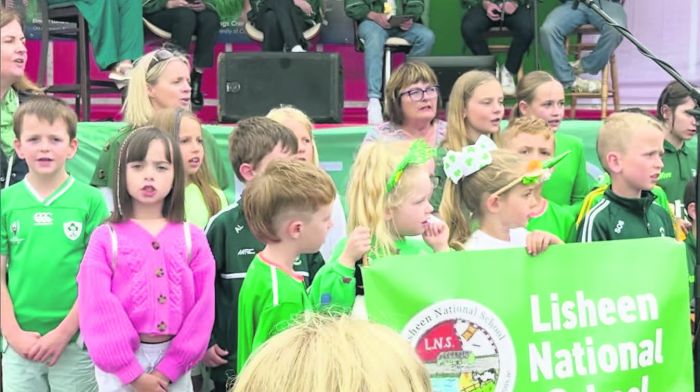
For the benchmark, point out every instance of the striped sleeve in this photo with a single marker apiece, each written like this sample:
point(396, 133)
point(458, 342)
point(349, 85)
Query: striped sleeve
point(593, 227)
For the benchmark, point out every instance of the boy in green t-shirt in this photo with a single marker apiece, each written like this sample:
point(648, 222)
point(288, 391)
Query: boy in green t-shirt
point(252, 146)
point(45, 224)
point(289, 209)
point(689, 198)
point(533, 138)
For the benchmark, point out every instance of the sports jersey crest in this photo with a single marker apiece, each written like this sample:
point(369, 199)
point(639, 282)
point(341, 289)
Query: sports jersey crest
point(72, 229)
point(14, 228)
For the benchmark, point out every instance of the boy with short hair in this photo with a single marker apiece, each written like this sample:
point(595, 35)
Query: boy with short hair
point(534, 139)
point(45, 224)
point(252, 146)
point(630, 147)
point(289, 208)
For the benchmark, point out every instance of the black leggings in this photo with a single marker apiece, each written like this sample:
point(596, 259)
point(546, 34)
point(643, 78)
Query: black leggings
point(183, 23)
point(476, 23)
point(282, 24)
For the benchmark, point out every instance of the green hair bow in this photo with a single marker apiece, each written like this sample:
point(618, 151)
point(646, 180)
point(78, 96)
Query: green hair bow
point(419, 153)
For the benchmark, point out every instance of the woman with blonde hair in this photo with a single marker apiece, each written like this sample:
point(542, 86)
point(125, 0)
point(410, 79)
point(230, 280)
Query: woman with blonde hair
point(334, 354)
point(159, 80)
point(411, 104)
point(302, 126)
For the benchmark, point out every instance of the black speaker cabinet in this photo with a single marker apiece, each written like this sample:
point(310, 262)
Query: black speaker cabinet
point(250, 84)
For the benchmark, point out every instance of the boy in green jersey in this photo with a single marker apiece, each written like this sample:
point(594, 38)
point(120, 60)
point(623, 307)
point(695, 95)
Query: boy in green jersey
point(45, 224)
point(689, 199)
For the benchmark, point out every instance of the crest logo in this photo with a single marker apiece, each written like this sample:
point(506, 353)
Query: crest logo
point(464, 346)
point(43, 219)
point(14, 228)
point(72, 230)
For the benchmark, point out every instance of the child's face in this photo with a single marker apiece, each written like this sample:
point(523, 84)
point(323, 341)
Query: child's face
point(191, 145)
point(640, 165)
point(316, 228)
point(305, 151)
point(517, 205)
point(684, 125)
point(410, 217)
point(484, 110)
point(532, 146)
point(548, 104)
point(45, 146)
point(149, 181)
point(172, 89)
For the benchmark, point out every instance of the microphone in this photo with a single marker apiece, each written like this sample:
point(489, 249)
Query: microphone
point(575, 5)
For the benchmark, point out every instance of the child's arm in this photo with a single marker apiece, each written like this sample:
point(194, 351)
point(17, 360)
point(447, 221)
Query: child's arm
point(21, 341)
point(49, 347)
point(104, 324)
point(437, 235)
point(190, 342)
point(538, 241)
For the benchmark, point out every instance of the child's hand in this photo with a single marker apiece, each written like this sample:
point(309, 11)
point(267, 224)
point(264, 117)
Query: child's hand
point(214, 357)
point(49, 347)
point(149, 383)
point(437, 235)
point(161, 376)
point(359, 243)
point(22, 341)
point(537, 241)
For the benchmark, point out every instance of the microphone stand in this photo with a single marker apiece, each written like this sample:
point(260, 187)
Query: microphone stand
point(536, 38)
point(695, 94)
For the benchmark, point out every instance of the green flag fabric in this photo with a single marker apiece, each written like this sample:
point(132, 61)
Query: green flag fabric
point(601, 317)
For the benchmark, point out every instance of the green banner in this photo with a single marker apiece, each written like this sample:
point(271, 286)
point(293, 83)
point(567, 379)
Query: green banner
point(602, 317)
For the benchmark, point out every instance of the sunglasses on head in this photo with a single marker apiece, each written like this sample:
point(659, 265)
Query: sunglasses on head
point(167, 52)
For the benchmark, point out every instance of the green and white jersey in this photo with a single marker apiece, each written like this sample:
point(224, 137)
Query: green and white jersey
point(556, 220)
point(679, 168)
point(44, 240)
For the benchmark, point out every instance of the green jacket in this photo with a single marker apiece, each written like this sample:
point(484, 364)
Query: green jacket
point(234, 247)
point(316, 17)
point(680, 166)
point(358, 9)
point(619, 218)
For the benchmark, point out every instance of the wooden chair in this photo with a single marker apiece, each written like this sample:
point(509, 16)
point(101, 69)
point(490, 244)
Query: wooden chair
point(258, 36)
point(391, 45)
point(502, 32)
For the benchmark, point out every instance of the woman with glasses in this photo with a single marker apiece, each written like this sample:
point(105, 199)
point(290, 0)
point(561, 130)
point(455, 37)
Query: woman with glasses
point(159, 80)
point(116, 33)
point(185, 19)
point(411, 103)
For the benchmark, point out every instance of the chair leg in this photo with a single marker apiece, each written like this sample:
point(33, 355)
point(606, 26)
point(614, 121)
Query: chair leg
point(604, 92)
point(572, 113)
point(387, 67)
point(84, 67)
point(45, 39)
point(614, 80)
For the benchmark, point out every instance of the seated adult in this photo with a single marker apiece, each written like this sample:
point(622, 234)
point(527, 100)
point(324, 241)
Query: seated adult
point(15, 88)
point(283, 22)
point(411, 102)
point(375, 28)
point(513, 14)
point(116, 33)
point(562, 21)
point(159, 80)
point(184, 19)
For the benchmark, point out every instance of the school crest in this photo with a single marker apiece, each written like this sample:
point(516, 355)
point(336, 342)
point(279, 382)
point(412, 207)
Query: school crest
point(14, 228)
point(72, 230)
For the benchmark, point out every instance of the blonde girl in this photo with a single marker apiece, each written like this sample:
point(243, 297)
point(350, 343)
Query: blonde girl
point(540, 95)
point(203, 198)
point(299, 123)
point(388, 203)
point(493, 191)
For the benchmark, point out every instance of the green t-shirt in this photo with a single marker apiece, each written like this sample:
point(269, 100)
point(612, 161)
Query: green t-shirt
point(44, 240)
point(690, 249)
point(196, 211)
point(680, 166)
point(270, 300)
point(568, 185)
point(8, 107)
point(556, 220)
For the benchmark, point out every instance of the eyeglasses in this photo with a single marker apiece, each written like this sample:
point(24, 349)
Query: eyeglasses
point(418, 94)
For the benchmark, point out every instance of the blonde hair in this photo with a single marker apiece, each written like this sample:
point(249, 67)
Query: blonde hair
point(285, 187)
point(8, 16)
point(529, 125)
point(285, 113)
point(618, 129)
point(462, 92)
point(406, 74)
point(462, 201)
point(334, 354)
point(138, 107)
point(368, 200)
point(170, 120)
point(527, 87)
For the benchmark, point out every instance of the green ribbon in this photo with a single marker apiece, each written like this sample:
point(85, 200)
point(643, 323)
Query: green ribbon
point(419, 153)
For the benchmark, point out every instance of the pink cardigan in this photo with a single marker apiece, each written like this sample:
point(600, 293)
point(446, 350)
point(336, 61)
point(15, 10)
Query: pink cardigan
point(152, 290)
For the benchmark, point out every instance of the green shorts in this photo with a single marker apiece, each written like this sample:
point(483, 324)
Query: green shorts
point(74, 371)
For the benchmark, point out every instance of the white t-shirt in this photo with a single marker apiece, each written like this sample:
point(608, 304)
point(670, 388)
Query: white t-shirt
point(482, 241)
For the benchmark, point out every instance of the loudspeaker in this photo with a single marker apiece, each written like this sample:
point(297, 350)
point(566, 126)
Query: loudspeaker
point(250, 84)
point(449, 68)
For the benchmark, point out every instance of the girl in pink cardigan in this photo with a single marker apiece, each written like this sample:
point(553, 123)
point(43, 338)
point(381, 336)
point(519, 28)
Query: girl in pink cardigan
point(146, 283)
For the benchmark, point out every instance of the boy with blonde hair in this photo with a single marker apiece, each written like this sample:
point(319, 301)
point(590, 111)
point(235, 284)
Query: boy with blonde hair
point(630, 147)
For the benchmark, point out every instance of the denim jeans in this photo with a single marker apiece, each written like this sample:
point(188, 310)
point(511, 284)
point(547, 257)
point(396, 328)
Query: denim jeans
point(563, 20)
point(374, 37)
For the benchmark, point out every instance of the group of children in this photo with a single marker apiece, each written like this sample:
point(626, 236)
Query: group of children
point(174, 276)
